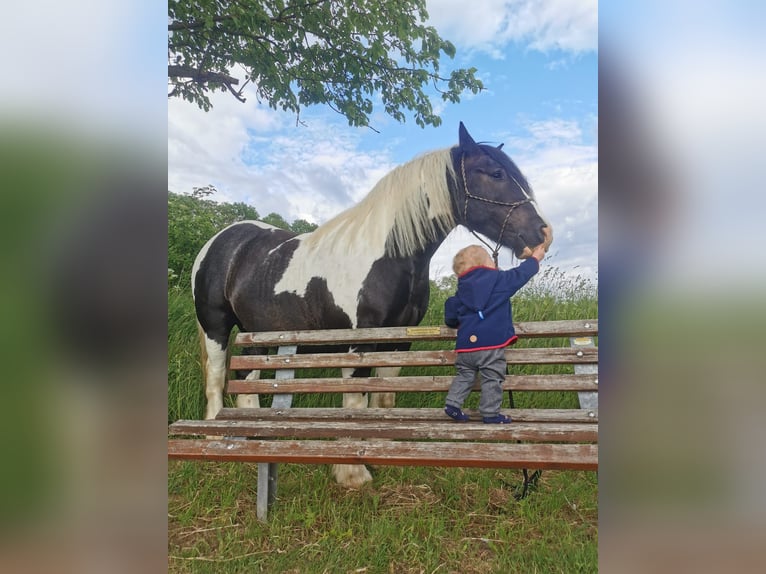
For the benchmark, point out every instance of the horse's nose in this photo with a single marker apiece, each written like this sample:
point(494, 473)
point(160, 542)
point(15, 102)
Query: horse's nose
point(547, 230)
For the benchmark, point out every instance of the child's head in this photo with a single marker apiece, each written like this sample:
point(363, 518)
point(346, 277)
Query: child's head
point(471, 256)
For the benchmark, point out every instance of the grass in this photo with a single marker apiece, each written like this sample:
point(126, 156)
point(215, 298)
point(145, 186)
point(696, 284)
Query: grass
point(408, 519)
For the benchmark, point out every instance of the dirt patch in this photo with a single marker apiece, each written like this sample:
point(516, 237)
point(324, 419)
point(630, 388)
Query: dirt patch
point(406, 497)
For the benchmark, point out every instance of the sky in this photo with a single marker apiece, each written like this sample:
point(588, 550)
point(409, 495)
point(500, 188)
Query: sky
point(538, 62)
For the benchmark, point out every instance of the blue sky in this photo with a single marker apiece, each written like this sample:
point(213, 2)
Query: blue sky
point(538, 62)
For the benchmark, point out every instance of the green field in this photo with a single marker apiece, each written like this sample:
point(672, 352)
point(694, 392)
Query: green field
point(408, 519)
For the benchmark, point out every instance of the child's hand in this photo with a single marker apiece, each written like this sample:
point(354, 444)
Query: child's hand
point(538, 253)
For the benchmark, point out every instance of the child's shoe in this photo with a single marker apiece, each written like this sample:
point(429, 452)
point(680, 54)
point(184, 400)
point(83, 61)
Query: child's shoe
point(497, 420)
point(456, 414)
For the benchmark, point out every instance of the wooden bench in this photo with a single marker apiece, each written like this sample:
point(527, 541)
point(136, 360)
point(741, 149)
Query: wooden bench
point(538, 438)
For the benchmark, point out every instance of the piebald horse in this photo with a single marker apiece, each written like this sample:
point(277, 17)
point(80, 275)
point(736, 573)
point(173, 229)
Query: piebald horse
point(367, 267)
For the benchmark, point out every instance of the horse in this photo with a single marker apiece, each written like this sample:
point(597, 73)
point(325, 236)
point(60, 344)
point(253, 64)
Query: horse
point(366, 267)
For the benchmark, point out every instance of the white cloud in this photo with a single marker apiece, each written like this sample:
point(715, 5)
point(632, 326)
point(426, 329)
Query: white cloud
point(542, 25)
point(556, 129)
point(255, 155)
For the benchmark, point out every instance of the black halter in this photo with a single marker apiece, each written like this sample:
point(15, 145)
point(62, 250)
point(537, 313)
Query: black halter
point(511, 206)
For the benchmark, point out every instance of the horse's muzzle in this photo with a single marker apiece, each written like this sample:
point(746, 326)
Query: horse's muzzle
point(547, 240)
point(548, 234)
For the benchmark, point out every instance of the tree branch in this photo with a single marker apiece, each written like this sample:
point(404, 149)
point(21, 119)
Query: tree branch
point(200, 76)
point(282, 17)
point(195, 24)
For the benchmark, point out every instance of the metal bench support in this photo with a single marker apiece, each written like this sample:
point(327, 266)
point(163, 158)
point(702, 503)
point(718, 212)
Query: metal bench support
point(588, 399)
point(267, 471)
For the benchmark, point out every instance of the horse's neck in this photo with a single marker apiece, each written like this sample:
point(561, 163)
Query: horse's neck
point(422, 256)
point(408, 213)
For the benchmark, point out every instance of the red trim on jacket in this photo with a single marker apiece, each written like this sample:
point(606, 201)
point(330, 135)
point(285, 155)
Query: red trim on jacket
point(467, 271)
point(510, 341)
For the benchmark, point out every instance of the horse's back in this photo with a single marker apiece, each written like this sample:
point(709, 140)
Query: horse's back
point(223, 266)
point(225, 250)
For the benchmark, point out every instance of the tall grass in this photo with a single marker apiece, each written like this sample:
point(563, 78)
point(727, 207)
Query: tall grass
point(407, 519)
point(186, 397)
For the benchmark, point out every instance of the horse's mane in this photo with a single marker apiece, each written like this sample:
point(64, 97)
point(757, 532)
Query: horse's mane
point(411, 204)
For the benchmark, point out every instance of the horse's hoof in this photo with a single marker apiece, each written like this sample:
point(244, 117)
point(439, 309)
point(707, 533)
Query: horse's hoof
point(352, 475)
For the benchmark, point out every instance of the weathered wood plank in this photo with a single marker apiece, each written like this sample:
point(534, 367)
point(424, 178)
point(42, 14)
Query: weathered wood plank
point(401, 414)
point(515, 356)
point(401, 334)
point(423, 383)
point(568, 328)
point(419, 430)
point(396, 453)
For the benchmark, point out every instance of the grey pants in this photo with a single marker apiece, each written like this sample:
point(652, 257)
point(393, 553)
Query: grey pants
point(492, 366)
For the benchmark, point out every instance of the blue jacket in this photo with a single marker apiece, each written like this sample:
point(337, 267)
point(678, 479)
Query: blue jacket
point(481, 308)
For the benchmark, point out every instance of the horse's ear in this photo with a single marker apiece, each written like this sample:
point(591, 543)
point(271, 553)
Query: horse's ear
point(500, 146)
point(466, 141)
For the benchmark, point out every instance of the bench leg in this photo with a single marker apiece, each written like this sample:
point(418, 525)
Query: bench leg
point(588, 399)
point(267, 489)
point(267, 471)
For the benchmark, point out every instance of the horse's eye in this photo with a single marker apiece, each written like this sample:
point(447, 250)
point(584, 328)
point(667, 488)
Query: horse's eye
point(498, 174)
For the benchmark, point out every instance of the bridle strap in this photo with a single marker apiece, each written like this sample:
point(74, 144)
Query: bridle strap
point(511, 206)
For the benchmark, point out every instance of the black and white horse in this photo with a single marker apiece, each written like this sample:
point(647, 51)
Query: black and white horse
point(367, 267)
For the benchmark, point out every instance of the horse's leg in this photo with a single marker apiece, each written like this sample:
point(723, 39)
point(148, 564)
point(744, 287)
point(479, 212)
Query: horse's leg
point(251, 401)
point(352, 475)
point(214, 367)
point(384, 400)
point(387, 400)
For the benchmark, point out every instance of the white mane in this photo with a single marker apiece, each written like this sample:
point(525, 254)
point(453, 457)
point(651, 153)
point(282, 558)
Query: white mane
point(411, 204)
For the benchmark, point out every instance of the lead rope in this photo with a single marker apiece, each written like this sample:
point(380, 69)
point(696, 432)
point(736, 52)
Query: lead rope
point(513, 205)
point(530, 481)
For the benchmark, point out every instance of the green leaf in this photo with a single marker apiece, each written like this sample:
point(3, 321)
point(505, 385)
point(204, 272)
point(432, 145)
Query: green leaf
point(335, 52)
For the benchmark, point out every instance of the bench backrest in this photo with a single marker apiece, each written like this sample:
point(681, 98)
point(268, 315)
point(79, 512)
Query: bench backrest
point(580, 350)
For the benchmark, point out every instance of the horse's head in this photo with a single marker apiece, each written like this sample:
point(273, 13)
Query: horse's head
point(493, 198)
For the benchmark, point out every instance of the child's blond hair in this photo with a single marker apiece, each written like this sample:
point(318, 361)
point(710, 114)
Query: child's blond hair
point(471, 256)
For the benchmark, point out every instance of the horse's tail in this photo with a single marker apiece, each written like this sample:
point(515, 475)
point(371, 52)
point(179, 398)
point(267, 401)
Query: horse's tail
point(203, 351)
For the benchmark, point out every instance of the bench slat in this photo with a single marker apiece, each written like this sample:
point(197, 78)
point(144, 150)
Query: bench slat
point(464, 454)
point(515, 356)
point(569, 328)
point(424, 383)
point(533, 432)
point(402, 414)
